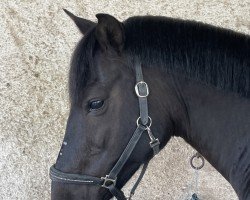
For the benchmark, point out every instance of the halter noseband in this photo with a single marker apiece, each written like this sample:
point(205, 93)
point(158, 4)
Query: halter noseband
point(144, 123)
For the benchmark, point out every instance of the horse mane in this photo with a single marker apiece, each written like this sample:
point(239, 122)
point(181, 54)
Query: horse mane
point(214, 56)
point(205, 53)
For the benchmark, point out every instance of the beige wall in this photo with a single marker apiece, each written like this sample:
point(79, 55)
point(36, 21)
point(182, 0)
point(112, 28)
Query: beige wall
point(36, 41)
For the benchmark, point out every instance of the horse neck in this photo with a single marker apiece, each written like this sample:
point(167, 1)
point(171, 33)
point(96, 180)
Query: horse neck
point(219, 129)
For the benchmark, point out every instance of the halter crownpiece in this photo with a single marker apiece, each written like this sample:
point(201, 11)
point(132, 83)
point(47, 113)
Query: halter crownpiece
point(144, 123)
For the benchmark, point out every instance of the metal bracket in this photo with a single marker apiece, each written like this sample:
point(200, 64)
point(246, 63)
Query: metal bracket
point(154, 143)
point(108, 181)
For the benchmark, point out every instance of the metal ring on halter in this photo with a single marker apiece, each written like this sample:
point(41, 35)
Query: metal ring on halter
point(149, 123)
point(197, 156)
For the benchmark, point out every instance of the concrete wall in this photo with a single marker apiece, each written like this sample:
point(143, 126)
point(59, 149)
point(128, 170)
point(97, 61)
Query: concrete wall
point(36, 42)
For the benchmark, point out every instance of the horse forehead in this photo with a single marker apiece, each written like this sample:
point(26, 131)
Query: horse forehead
point(107, 67)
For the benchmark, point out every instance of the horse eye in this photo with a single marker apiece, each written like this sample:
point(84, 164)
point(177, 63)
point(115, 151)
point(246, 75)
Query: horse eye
point(95, 105)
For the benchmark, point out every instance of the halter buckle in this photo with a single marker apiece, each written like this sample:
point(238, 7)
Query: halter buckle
point(141, 86)
point(108, 181)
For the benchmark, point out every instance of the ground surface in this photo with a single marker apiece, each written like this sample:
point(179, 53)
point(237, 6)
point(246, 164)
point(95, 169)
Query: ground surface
point(36, 41)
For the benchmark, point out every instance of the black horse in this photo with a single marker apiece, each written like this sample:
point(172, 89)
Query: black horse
point(199, 81)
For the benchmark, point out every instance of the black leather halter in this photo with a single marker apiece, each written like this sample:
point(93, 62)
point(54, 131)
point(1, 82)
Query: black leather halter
point(144, 123)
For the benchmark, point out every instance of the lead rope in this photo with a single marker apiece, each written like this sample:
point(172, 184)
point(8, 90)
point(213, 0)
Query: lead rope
point(154, 144)
point(132, 192)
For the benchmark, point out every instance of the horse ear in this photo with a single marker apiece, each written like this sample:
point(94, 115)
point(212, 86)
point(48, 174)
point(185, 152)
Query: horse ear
point(83, 24)
point(110, 32)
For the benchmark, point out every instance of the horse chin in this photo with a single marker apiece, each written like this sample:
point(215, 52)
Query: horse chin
point(73, 192)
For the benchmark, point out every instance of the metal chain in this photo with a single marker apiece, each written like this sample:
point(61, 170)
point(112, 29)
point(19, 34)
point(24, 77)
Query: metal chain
point(196, 181)
point(193, 186)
